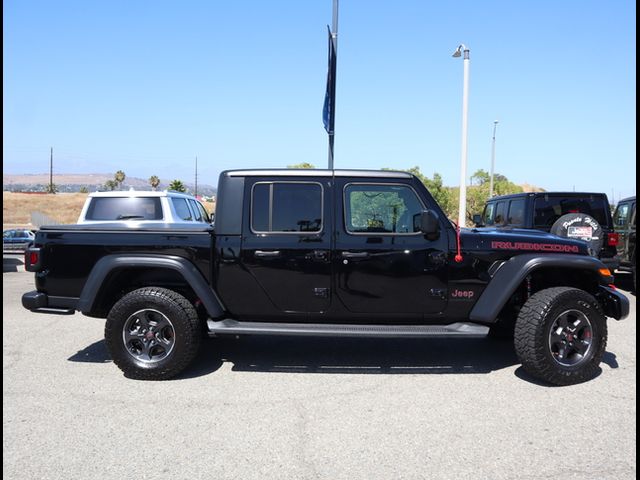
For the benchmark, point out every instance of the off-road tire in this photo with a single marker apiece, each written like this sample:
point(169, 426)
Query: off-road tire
point(532, 336)
point(182, 323)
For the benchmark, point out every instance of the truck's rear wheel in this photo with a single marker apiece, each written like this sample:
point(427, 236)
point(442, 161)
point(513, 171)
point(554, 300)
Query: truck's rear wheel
point(561, 336)
point(152, 333)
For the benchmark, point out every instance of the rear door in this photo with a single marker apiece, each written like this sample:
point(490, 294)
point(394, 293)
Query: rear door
point(286, 242)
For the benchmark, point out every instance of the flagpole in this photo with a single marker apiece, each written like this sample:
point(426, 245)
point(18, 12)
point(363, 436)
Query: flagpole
point(332, 117)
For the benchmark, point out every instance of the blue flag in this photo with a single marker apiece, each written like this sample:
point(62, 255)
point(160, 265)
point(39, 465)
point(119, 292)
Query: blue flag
point(328, 111)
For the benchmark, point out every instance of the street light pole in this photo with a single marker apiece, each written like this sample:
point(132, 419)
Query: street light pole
point(493, 157)
point(462, 213)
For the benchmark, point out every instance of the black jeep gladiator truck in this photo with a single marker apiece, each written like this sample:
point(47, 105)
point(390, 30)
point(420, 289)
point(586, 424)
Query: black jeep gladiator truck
point(326, 253)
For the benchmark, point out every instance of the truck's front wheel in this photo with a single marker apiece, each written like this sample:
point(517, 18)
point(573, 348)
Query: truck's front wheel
point(152, 333)
point(561, 335)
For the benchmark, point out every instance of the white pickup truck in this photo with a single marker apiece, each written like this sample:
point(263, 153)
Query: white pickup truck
point(143, 207)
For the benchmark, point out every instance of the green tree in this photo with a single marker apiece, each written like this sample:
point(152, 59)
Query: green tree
point(442, 194)
point(84, 189)
point(154, 181)
point(478, 192)
point(177, 186)
point(119, 178)
point(302, 165)
point(110, 185)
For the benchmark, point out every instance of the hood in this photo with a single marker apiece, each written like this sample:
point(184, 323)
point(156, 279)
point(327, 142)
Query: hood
point(519, 240)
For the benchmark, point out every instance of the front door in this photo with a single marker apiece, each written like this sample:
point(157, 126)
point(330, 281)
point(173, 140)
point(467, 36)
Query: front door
point(383, 262)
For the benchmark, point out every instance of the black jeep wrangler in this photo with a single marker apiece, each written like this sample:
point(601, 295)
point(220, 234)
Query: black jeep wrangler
point(326, 253)
point(585, 216)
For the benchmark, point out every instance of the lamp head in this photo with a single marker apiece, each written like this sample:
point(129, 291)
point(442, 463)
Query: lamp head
point(461, 48)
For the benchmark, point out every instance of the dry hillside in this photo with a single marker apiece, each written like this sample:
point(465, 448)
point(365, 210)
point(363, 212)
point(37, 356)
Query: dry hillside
point(18, 209)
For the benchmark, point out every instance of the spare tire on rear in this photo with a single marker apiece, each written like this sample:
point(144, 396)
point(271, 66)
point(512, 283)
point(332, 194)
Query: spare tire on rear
point(580, 226)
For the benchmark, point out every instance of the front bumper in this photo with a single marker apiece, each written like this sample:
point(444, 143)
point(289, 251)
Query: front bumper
point(42, 303)
point(614, 303)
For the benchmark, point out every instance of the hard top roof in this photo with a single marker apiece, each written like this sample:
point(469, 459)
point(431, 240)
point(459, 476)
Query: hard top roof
point(315, 172)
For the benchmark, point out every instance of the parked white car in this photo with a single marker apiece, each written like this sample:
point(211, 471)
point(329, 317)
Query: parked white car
point(143, 207)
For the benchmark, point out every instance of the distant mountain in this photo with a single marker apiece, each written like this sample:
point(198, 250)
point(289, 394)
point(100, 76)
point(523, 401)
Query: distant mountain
point(74, 182)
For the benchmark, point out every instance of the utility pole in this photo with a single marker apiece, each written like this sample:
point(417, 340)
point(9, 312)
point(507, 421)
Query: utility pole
point(196, 176)
point(51, 172)
point(493, 157)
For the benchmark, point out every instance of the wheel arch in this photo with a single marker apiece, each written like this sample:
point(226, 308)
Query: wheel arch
point(113, 273)
point(547, 270)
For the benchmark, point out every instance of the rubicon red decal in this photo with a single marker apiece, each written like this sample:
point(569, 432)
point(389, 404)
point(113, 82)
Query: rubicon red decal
point(535, 247)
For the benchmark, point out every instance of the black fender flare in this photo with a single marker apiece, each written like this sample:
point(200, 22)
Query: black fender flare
point(184, 267)
point(512, 273)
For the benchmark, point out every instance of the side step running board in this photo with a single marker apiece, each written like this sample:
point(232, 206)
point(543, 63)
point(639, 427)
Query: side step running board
point(234, 327)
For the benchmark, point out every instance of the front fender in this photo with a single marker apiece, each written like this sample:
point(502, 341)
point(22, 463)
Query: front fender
point(512, 273)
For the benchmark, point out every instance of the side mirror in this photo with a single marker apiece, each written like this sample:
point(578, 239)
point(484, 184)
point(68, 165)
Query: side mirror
point(429, 224)
point(477, 219)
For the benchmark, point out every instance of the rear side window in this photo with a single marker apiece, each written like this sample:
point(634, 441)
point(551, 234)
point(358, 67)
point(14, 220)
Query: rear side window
point(286, 207)
point(516, 212)
point(181, 208)
point(124, 208)
point(501, 213)
point(549, 208)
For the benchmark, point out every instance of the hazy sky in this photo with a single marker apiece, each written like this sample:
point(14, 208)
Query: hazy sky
point(147, 86)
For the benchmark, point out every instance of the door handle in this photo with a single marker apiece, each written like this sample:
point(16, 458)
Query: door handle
point(355, 254)
point(267, 254)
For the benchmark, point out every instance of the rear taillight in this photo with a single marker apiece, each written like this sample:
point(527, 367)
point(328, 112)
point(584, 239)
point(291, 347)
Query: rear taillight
point(32, 259)
point(612, 239)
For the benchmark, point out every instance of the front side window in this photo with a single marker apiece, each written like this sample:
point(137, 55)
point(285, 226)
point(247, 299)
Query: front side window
point(196, 210)
point(487, 216)
point(203, 212)
point(391, 209)
point(286, 207)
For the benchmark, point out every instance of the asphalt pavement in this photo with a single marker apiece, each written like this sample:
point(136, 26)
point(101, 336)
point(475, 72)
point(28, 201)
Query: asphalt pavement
point(306, 408)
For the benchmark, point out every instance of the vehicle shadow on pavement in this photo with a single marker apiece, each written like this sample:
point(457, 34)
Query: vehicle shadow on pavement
point(354, 356)
point(95, 353)
point(346, 356)
point(608, 359)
